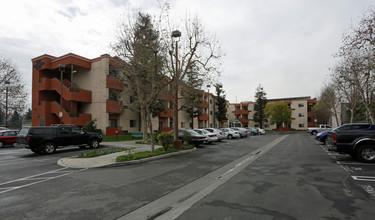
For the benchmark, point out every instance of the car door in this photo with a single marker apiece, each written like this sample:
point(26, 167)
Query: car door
point(64, 137)
point(9, 137)
point(79, 137)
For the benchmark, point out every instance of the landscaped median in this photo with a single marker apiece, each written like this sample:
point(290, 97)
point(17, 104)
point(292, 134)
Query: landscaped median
point(119, 157)
point(147, 154)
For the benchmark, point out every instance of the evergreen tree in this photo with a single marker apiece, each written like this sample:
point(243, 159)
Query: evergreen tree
point(15, 121)
point(28, 114)
point(221, 114)
point(259, 106)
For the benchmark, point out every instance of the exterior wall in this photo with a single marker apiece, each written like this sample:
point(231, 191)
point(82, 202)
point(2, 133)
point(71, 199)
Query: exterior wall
point(95, 80)
point(299, 114)
point(300, 107)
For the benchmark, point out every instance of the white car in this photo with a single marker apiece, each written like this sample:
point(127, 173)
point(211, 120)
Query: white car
point(262, 131)
point(211, 137)
point(220, 135)
point(242, 131)
point(230, 133)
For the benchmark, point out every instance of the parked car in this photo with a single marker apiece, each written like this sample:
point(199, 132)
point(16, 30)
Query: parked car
point(242, 131)
point(8, 137)
point(315, 130)
point(3, 129)
point(252, 131)
point(261, 131)
point(230, 133)
point(47, 139)
point(211, 137)
point(357, 140)
point(220, 135)
point(196, 139)
point(322, 136)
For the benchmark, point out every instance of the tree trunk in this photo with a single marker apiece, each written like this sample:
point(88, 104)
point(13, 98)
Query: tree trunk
point(151, 132)
point(144, 124)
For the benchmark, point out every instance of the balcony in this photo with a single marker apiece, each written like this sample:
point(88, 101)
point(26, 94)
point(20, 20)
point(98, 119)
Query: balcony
point(311, 124)
point(241, 112)
point(114, 83)
point(67, 118)
point(243, 120)
point(68, 93)
point(203, 104)
point(203, 117)
point(167, 113)
point(114, 107)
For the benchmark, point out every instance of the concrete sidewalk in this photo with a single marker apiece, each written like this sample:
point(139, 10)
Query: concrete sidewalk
point(110, 159)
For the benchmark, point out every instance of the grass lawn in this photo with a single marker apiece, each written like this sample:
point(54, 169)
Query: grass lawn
point(145, 154)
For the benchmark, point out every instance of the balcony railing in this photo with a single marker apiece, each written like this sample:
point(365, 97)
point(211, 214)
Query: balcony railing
point(203, 117)
point(204, 104)
point(114, 83)
point(243, 120)
point(241, 112)
point(114, 107)
point(167, 113)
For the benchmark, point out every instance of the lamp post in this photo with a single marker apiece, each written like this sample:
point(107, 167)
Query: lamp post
point(208, 101)
point(177, 144)
point(7, 84)
point(62, 70)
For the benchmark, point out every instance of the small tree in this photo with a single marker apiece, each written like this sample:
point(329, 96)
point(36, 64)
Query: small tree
point(221, 114)
point(278, 113)
point(15, 121)
point(259, 106)
point(165, 139)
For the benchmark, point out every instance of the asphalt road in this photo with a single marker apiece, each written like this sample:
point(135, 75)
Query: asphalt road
point(260, 177)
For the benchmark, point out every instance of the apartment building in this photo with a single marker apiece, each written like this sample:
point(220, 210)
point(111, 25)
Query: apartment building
point(72, 89)
point(241, 114)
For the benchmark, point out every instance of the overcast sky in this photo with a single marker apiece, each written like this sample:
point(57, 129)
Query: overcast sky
point(284, 45)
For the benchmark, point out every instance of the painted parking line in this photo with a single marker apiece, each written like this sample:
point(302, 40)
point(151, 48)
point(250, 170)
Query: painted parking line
point(38, 178)
point(354, 163)
point(364, 178)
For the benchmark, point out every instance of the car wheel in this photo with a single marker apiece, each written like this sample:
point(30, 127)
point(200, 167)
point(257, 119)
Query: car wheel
point(94, 143)
point(313, 133)
point(1, 144)
point(49, 148)
point(366, 153)
point(230, 136)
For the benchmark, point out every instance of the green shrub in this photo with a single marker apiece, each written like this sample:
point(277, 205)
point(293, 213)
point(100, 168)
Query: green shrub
point(186, 138)
point(165, 139)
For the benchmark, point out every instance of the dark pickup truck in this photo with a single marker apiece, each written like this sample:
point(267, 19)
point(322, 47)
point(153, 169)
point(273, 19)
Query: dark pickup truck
point(357, 140)
point(47, 139)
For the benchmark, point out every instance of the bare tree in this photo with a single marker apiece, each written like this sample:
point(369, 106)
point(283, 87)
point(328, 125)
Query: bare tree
point(357, 54)
point(10, 79)
point(140, 64)
point(196, 49)
point(347, 88)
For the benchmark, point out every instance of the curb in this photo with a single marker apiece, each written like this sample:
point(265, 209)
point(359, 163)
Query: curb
point(126, 163)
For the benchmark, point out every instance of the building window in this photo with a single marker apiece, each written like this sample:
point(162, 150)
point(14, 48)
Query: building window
point(210, 112)
point(133, 123)
point(113, 123)
point(210, 101)
point(266, 125)
point(245, 108)
point(301, 105)
point(301, 115)
point(301, 125)
point(182, 124)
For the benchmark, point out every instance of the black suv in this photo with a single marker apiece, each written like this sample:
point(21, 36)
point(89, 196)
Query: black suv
point(47, 139)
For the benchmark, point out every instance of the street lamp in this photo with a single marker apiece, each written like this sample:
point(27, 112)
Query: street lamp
point(62, 70)
point(208, 101)
point(177, 144)
point(7, 85)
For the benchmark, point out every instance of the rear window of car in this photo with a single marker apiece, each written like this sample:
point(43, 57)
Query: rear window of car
point(24, 131)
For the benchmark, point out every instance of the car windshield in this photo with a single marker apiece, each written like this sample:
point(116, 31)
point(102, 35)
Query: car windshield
point(24, 131)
